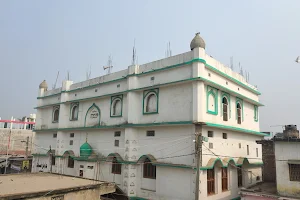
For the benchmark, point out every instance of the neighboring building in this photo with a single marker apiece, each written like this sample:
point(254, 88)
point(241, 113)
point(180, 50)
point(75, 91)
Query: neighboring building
point(136, 127)
point(282, 161)
point(42, 186)
point(15, 134)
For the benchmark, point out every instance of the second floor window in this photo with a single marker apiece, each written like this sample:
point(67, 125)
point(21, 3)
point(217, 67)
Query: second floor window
point(225, 109)
point(74, 111)
point(116, 107)
point(150, 102)
point(55, 115)
point(239, 113)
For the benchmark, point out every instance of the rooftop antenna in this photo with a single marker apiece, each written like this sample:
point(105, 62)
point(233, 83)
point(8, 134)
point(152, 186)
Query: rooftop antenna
point(169, 51)
point(231, 63)
point(133, 54)
point(88, 73)
point(248, 76)
point(68, 78)
point(54, 86)
point(241, 69)
point(109, 65)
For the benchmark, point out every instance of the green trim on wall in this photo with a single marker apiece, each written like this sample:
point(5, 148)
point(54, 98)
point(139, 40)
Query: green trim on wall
point(116, 126)
point(71, 108)
point(213, 161)
point(231, 91)
point(237, 198)
point(165, 68)
point(115, 98)
point(95, 85)
point(48, 105)
point(214, 92)
point(235, 129)
point(137, 198)
point(232, 79)
point(146, 93)
point(51, 95)
point(240, 101)
point(255, 113)
point(173, 165)
point(159, 85)
point(227, 96)
point(94, 105)
point(39, 155)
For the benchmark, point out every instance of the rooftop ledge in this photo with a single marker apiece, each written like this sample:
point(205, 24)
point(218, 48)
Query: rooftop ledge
point(124, 75)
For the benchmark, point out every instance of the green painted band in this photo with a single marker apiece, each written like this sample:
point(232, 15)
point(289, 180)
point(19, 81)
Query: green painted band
point(117, 126)
point(232, 128)
point(159, 85)
point(165, 68)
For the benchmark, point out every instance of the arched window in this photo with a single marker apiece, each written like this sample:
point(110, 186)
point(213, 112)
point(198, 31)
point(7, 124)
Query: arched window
point(211, 181)
point(55, 116)
point(149, 170)
point(116, 167)
point(74, 111)
point(116, 107)
point(239, 113)
point(70, 162)
point(255, 113)
point(151, 103)
point(225, 109)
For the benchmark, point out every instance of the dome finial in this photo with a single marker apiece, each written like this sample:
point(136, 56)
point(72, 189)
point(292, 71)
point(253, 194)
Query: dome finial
point(43, 85)
point(197, 42)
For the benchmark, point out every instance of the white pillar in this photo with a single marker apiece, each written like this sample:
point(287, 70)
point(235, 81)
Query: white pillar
point(11, 124)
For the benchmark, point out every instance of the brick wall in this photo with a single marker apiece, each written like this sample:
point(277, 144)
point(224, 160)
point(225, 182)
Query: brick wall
point(268, 157)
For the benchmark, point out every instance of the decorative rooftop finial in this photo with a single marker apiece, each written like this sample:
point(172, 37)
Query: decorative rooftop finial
point(197, 42)
point(43, 85)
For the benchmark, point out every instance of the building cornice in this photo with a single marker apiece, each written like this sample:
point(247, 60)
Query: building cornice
point(160, 85)
point(162, 69)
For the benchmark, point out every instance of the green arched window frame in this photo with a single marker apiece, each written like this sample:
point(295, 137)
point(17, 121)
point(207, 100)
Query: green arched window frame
point(113, 101)
point(227, 96)
point(214, 92)
point(146, 94)
point(255, 113)
point(72, 107)
point(239, 101)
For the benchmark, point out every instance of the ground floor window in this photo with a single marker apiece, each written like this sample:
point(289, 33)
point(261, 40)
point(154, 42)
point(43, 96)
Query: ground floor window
point(240, 176)
point(294, 172)
point(52, 159)
point(224, 179)
point(70, 162)
point(116, 167)
point(210, 181)
point(149, 170)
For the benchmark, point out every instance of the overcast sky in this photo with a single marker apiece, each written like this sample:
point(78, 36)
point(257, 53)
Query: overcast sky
point(40, 38)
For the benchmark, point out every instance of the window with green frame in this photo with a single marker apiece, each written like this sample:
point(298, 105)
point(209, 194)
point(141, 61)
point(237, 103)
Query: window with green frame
point(150, 101)
point(116, 106)
point(74, 110)
point(255, 113)
point(55, 114)
point(239, 110)
point(212, 100)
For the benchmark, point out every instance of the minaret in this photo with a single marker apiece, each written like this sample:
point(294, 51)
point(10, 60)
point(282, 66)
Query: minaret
point(43, 88)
